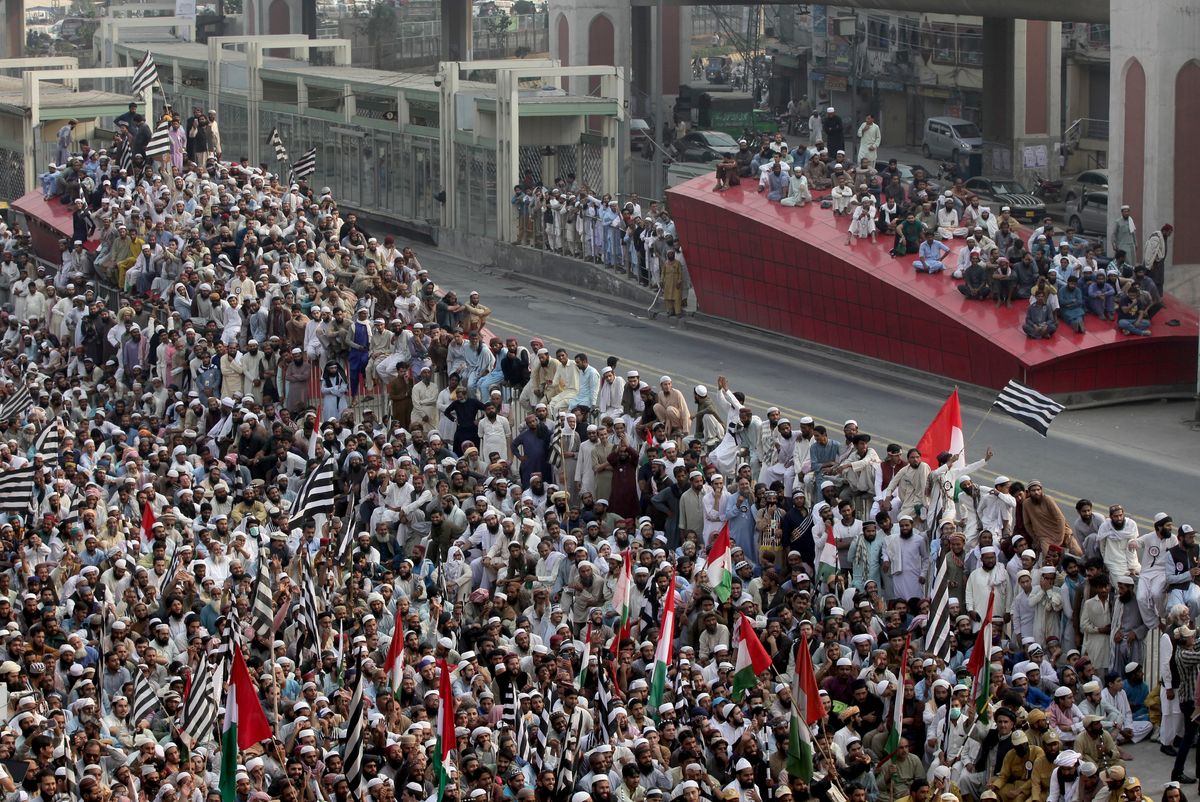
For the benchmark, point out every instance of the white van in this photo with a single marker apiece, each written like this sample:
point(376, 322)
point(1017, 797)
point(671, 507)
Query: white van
point(946, 137)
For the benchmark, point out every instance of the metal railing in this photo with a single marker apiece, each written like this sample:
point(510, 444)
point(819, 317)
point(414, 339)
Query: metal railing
point(1086, 128)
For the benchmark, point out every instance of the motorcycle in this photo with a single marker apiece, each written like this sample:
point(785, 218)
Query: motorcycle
point(1046, 189)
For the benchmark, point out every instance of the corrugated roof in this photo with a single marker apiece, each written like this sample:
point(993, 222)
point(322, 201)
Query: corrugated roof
point(54, 96)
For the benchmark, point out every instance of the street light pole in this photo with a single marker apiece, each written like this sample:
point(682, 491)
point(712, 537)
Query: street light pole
point(656, 90)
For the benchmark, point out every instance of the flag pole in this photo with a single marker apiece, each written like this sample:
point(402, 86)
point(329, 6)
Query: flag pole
point(837, 780)
point(981, 422)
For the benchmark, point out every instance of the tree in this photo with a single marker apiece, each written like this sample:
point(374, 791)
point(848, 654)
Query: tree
point(498, 23)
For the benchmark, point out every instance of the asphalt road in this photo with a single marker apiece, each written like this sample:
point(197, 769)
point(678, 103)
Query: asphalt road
point(1145, 456)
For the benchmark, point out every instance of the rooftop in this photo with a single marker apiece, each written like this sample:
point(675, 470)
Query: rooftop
point(57, 96)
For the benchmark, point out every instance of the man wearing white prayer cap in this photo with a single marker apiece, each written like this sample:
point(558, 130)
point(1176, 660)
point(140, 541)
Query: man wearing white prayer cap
point(672, 409)
point(986, 579)
point(1064, 780)
point(743, 782)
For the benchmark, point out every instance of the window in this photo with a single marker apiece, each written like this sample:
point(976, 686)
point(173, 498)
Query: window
point(878, 33)
point(944, 45)
point(970, 45)
point(1099, 35)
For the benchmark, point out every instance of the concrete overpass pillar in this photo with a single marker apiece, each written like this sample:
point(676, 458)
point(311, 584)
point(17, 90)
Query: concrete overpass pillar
point(456, 30)
point(1154, 111)
point(1022, 120)
point(613, 32)
point(12, 37)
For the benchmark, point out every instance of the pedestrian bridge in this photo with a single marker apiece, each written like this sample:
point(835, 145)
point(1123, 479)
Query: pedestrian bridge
point(1061, 11)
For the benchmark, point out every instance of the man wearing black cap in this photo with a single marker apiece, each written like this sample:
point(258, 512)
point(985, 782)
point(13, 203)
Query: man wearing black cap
point(1184, 571)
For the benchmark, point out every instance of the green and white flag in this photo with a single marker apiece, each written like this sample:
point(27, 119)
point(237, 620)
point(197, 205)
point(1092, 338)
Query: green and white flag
point(245, 723)
point(752, 659)
point(662, 653)
point(719, 565)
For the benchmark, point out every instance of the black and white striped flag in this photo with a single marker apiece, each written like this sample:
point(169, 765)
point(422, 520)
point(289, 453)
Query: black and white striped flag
point(276, 141)
point(603, 703)
point(169, 576)
point(308, 603)
point(526, 739)
point(262, 604)
point(937, 632)
point(48, 444)
point(160, 142)
point(200, 707)
point(572, 753)
point(17, 404)
point(1027, 405)
point(16, 490)
point(144, 701)
point(556, 450)
point(66, 757)
point(305, 166)
point(352, 757)
point(145, 75)
point(316, 493)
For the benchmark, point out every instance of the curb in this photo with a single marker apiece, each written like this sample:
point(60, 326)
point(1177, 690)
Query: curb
point(886, 373)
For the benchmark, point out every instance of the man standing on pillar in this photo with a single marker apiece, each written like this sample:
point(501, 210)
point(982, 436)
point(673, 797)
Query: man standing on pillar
point(1156, 254)
point(1124, 235)
point(835, 137)
point(869, 139)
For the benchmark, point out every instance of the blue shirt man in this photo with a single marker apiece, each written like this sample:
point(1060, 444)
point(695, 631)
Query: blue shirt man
point(931, 254)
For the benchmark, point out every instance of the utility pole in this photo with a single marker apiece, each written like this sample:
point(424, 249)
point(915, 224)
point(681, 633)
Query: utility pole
point(658, 140)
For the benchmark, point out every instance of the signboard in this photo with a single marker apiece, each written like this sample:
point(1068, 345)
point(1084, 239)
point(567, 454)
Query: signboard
point(185, 9)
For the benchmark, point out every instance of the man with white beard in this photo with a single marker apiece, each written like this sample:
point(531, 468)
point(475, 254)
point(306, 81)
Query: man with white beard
point(482, 540)
point(217, 564)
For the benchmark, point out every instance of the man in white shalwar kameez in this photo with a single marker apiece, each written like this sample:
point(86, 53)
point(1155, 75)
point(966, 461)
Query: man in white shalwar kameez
point(908, 552)
point(1154, 554)
point(783, 466)
point(585, 477)
point(982, 581)
point(869, 138)
point(570, 453)
point(1115, 696)
point(424, 401)
point(1118, 537)
point(612, 389)
point(495, 434)
point(1171, 726)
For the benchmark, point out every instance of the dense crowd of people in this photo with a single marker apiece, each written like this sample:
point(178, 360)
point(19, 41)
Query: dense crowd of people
point(530, 531)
